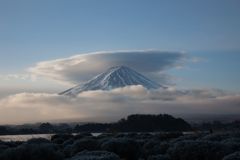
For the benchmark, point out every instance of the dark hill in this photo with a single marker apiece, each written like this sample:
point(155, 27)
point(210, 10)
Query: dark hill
point(139, 123)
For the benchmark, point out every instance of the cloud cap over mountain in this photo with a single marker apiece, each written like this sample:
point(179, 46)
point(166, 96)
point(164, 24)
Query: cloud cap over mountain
point(82, 67)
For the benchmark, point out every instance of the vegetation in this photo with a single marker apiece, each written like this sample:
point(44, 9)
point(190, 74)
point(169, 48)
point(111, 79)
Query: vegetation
point(127, 146)
point(133, 123)
point(145, 137)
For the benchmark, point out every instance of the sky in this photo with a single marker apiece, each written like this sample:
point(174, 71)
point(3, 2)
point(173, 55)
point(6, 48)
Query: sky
point(187, 45)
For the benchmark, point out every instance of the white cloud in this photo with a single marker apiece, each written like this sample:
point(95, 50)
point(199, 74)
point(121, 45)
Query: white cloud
point(79, 68)
point(115, 104)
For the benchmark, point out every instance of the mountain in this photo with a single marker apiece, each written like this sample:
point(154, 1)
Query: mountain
point(115, 77)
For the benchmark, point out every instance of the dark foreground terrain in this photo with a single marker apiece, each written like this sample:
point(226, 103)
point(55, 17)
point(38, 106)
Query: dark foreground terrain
point(128, 146)
point(138, 137)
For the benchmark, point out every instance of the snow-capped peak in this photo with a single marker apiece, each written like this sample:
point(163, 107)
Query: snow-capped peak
point(114, 77)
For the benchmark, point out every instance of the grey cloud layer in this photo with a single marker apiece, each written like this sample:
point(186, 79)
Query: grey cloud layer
point(84, 66)
point(115, 104)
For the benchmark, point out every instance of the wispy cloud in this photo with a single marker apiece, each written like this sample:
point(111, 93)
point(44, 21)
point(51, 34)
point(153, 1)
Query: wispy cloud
point(79, 68)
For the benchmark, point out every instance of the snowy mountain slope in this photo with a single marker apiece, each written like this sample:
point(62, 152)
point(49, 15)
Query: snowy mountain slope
point(115, 77)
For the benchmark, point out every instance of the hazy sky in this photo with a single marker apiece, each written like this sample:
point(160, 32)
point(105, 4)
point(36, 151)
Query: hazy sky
point(33, 31)
point(38, 37)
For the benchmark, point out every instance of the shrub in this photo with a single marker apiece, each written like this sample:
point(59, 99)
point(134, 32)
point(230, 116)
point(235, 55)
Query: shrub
point(32, 152)
point(158, 157)
point(85, 144)
point(232, 144)
point(3, 147)
point(197, 150)
point(154, 147)
point(126, 135)
point(95, 155)
point(83, 135)
point(68, 142)
point(233, 156)
point(11, 143)
point(60, 138)
point(105, 135)
point(186, 137)
point(167, 136)
point(124, 147)
point(216, 137)
point(38, 141)
point(67, 150)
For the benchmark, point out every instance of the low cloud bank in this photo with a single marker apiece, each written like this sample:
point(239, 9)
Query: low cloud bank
point(115, 104)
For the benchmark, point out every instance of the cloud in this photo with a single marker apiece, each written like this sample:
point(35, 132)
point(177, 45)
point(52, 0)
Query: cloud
point(115, 104)
point(8, 77)
point(79, 68)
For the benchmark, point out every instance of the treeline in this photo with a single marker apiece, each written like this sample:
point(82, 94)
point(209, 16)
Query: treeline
point(138, 123)
point(218, 126)
point(133, 123)
point(42, 128)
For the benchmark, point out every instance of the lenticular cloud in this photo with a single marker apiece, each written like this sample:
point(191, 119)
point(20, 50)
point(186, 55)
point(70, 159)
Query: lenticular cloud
point(82, 67)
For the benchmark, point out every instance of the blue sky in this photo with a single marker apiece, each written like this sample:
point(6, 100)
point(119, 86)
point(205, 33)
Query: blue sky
point(216, 69)
point(47, 46)
point(33, 31)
